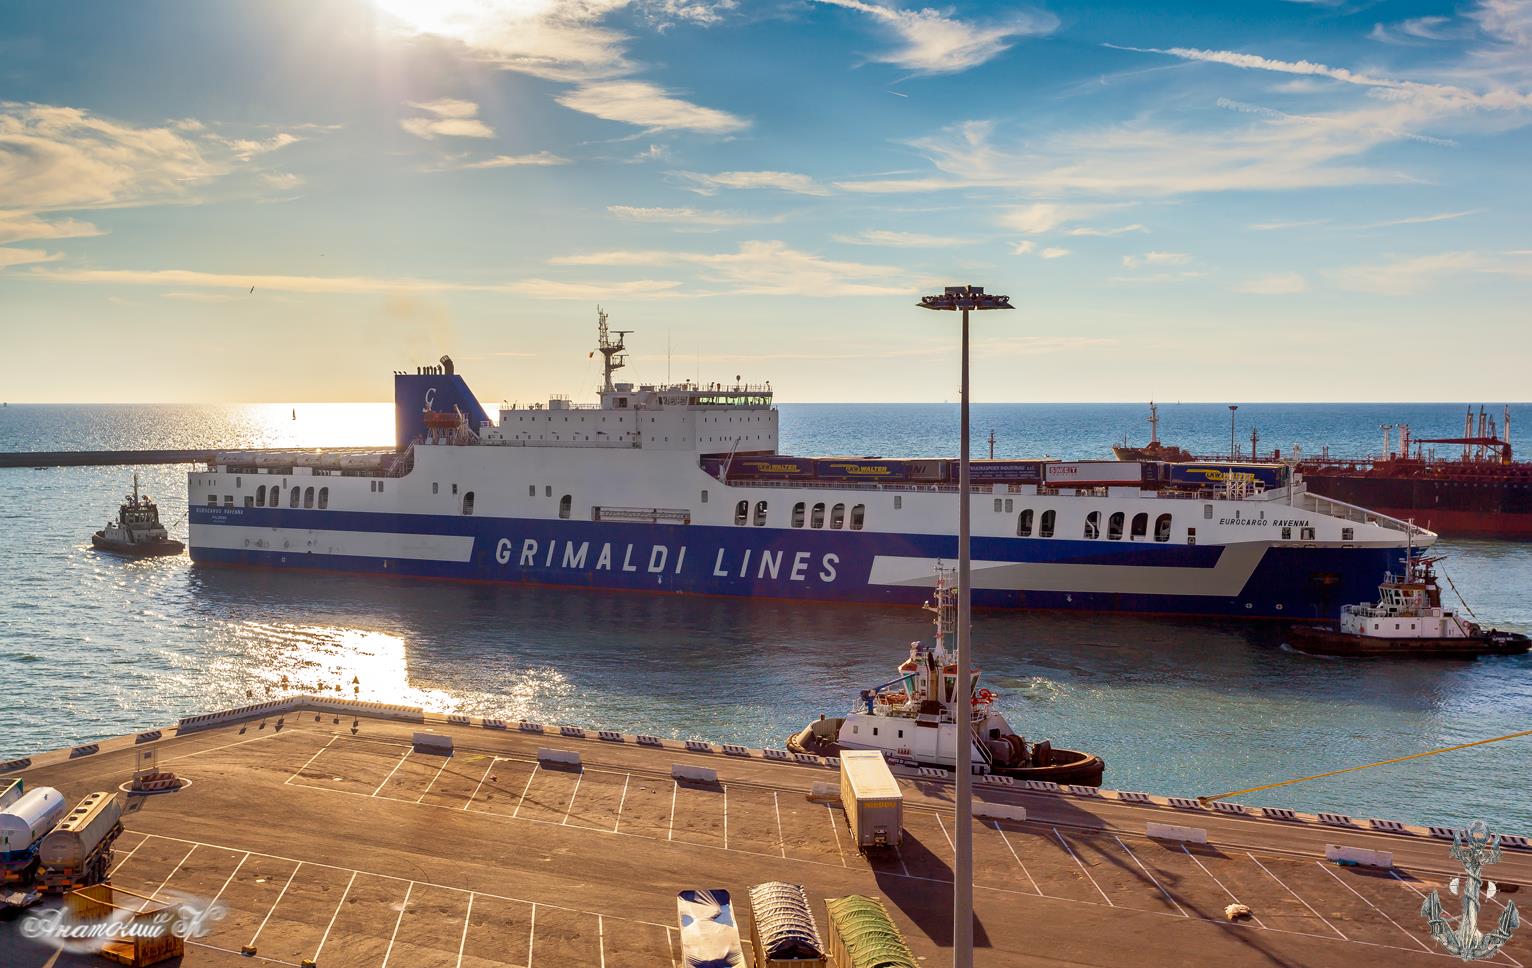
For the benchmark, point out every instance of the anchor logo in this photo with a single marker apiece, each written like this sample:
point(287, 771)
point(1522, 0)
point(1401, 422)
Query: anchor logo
point(1474, 849)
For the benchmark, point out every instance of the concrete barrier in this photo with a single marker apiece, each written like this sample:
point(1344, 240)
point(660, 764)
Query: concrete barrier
point(567, 757)
point(1515, 842)
point(1170, 831)
point(610, 735)
point(1336, 819)
point(148, 737)
point(772, 754)
point(527, 727)
point(833, 762)
point(1359, 855)
point(86, 750)
point(458, 719)
point(1183, 803)
point(696, 774)
point(572, 731)
point(999, 811)
point(1442, 833)
point(734, 749)
point(649, 741)
point(808, 758)
point(1224, 806)
point(998, 780)
point(1133, 796)
point(1041, 786)
point(1083, 791)
point(699, 746)
point(824, 792)
point(432, 743)
point(1279, 813)
point(933, 773)
point(1388, 826)
point(17, 764)
point(493, 723)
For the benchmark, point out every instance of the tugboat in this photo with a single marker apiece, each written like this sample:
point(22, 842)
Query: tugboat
point(137, 530)
point(1408, 620)
point(920, 716)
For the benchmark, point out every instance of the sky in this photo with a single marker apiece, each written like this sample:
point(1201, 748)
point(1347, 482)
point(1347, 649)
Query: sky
point(286, 201)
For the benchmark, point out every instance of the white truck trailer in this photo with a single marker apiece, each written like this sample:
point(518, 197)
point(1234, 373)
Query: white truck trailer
point(78, 851)
point(23, 825)
point(872, 799)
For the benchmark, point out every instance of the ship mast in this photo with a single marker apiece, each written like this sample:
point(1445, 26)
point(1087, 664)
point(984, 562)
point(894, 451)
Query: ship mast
point(613, 352)
point(1154, 425)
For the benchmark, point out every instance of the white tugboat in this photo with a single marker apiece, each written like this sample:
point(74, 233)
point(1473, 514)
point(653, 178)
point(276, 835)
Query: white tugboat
point(923, 715)
point(1408, 619)
point(137, 530)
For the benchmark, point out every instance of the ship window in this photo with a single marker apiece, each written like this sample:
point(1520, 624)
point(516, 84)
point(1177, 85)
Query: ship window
point(1207, 511)
point(760, 513)
point(1307, 534)
point(1191, 535)
point(212, 500)
point(817, 517)
point(1287, 534)
point(1093, 524)
point(260, 496)
point(838, 516)
point(324, 497)
point(237, 482)
point(249, 501)
point(1024, 524)
point(308, 497)
point(468, 504)
point(380, 487)
point(1162, 528)
point(547, 490)
point(228, 500)
point(1045, 527)
point(454, 489)
point(1347, 534)
point(1140, 525)
point(564, 504)
point(1114, 526)
point(704, 495)
point(531, 490)
point(858, 516)
point(898, 501)
point(741, 512)
point(798, 514)
point(292, 499)
point(435, 487)
point(999, 505)
point(1008, 505)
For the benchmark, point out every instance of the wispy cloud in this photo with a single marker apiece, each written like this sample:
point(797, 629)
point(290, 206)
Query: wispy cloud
point(1155, 259)
point(782, 181)
point(1422, 219)
point(689, 217)
point(1053, 252)
point(933, 42)
point(901, 240)
point(1410, 275)
point(1042, 216)
point(21, 226)
point(1088, 231)
point(1281, 225)
point(648, 106)
point(446, 118)
point(1274, 284)
point(21, 257)
point(1419, 30)
point(540, 159)
point(1024, 247)
point(763, 268)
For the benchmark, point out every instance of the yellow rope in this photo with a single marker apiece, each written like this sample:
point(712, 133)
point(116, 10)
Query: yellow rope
point(1353, 769)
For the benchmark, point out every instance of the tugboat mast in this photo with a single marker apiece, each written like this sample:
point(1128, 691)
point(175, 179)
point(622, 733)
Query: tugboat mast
point(613, 352)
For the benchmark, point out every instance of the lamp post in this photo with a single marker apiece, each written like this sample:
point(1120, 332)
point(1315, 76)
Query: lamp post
point(1232, 445)
point(964, 298)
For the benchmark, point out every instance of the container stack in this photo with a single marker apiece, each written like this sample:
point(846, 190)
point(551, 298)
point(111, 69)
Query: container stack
point(782, 927)
point(862, 935)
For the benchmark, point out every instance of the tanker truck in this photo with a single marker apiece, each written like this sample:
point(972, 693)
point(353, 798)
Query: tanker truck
point(23, 824)
point(78, 852)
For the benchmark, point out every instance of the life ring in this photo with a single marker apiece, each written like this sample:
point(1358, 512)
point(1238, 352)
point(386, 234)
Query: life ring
point(983, 697)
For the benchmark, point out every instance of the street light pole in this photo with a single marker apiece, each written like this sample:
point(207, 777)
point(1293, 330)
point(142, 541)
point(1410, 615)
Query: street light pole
point(964, 298)
point(1232, 445)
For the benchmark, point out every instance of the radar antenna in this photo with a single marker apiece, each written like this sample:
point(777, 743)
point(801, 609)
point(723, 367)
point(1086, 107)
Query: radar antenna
point(613, 353)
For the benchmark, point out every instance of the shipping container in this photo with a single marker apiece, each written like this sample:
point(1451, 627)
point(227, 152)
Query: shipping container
point(1094, 473)
point(79, 850)
point(1209, 474)
point(872, 800)
point(861, 469)
point(862, 935)
point(1001, 471)
point(24, 823)
point(772, 467)
point(782, 927)
point(709, 936)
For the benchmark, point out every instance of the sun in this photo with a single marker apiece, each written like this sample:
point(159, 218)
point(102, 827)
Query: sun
point(466, 20)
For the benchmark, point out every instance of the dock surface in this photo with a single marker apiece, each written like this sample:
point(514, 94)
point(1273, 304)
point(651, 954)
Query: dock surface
point(328, 836)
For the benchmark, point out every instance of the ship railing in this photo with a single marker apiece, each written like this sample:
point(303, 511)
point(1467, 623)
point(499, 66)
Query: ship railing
point(1330, 507)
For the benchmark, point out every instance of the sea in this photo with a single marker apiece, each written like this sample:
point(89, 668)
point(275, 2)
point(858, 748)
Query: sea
point(93, 646)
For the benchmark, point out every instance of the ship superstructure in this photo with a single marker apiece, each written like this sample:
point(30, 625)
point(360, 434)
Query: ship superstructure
point(679, 487)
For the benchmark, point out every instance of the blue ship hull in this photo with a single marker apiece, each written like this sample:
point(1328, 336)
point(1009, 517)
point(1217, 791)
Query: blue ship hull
point(1292, 583)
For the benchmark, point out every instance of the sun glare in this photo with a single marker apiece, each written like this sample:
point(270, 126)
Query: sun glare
point(463, 19)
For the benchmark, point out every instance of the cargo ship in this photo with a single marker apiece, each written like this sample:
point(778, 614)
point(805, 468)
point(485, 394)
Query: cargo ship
point(1474, 487)
point(680, 488)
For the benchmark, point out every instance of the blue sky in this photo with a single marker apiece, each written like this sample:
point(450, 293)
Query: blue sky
point(1261, 200)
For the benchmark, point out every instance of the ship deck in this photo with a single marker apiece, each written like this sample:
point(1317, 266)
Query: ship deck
point(327, 836)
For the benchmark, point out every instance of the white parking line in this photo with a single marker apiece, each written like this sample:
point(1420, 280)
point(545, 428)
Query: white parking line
point(1390, 920)
point(304, 766)
point(1001, 831)
point(1219, 883)
point(393, 771)
point(1082, 867)
point(674, 789)
point(492, 761)
point(463, 941)
point(398, 921)
point(155, 893)
point(214, 749)
point(118, 866)
point(572, 794)
point(434, 778)
point(1297, 895)
point(942, 824)
point(338, 905)
point(228, 880)
point(1395, 875)
point(1151, 876)
point(601, 940)
point(725, 815)
point(622, 802)
point(836, 831)
point(781, 838)
point(522, 799)
point(532, 935)
point(272, 909)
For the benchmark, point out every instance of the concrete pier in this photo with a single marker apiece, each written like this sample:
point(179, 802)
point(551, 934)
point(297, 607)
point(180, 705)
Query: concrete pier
point(327, 831)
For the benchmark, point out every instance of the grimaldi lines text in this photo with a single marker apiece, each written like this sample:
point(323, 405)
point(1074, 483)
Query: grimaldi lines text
point(679, 488)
